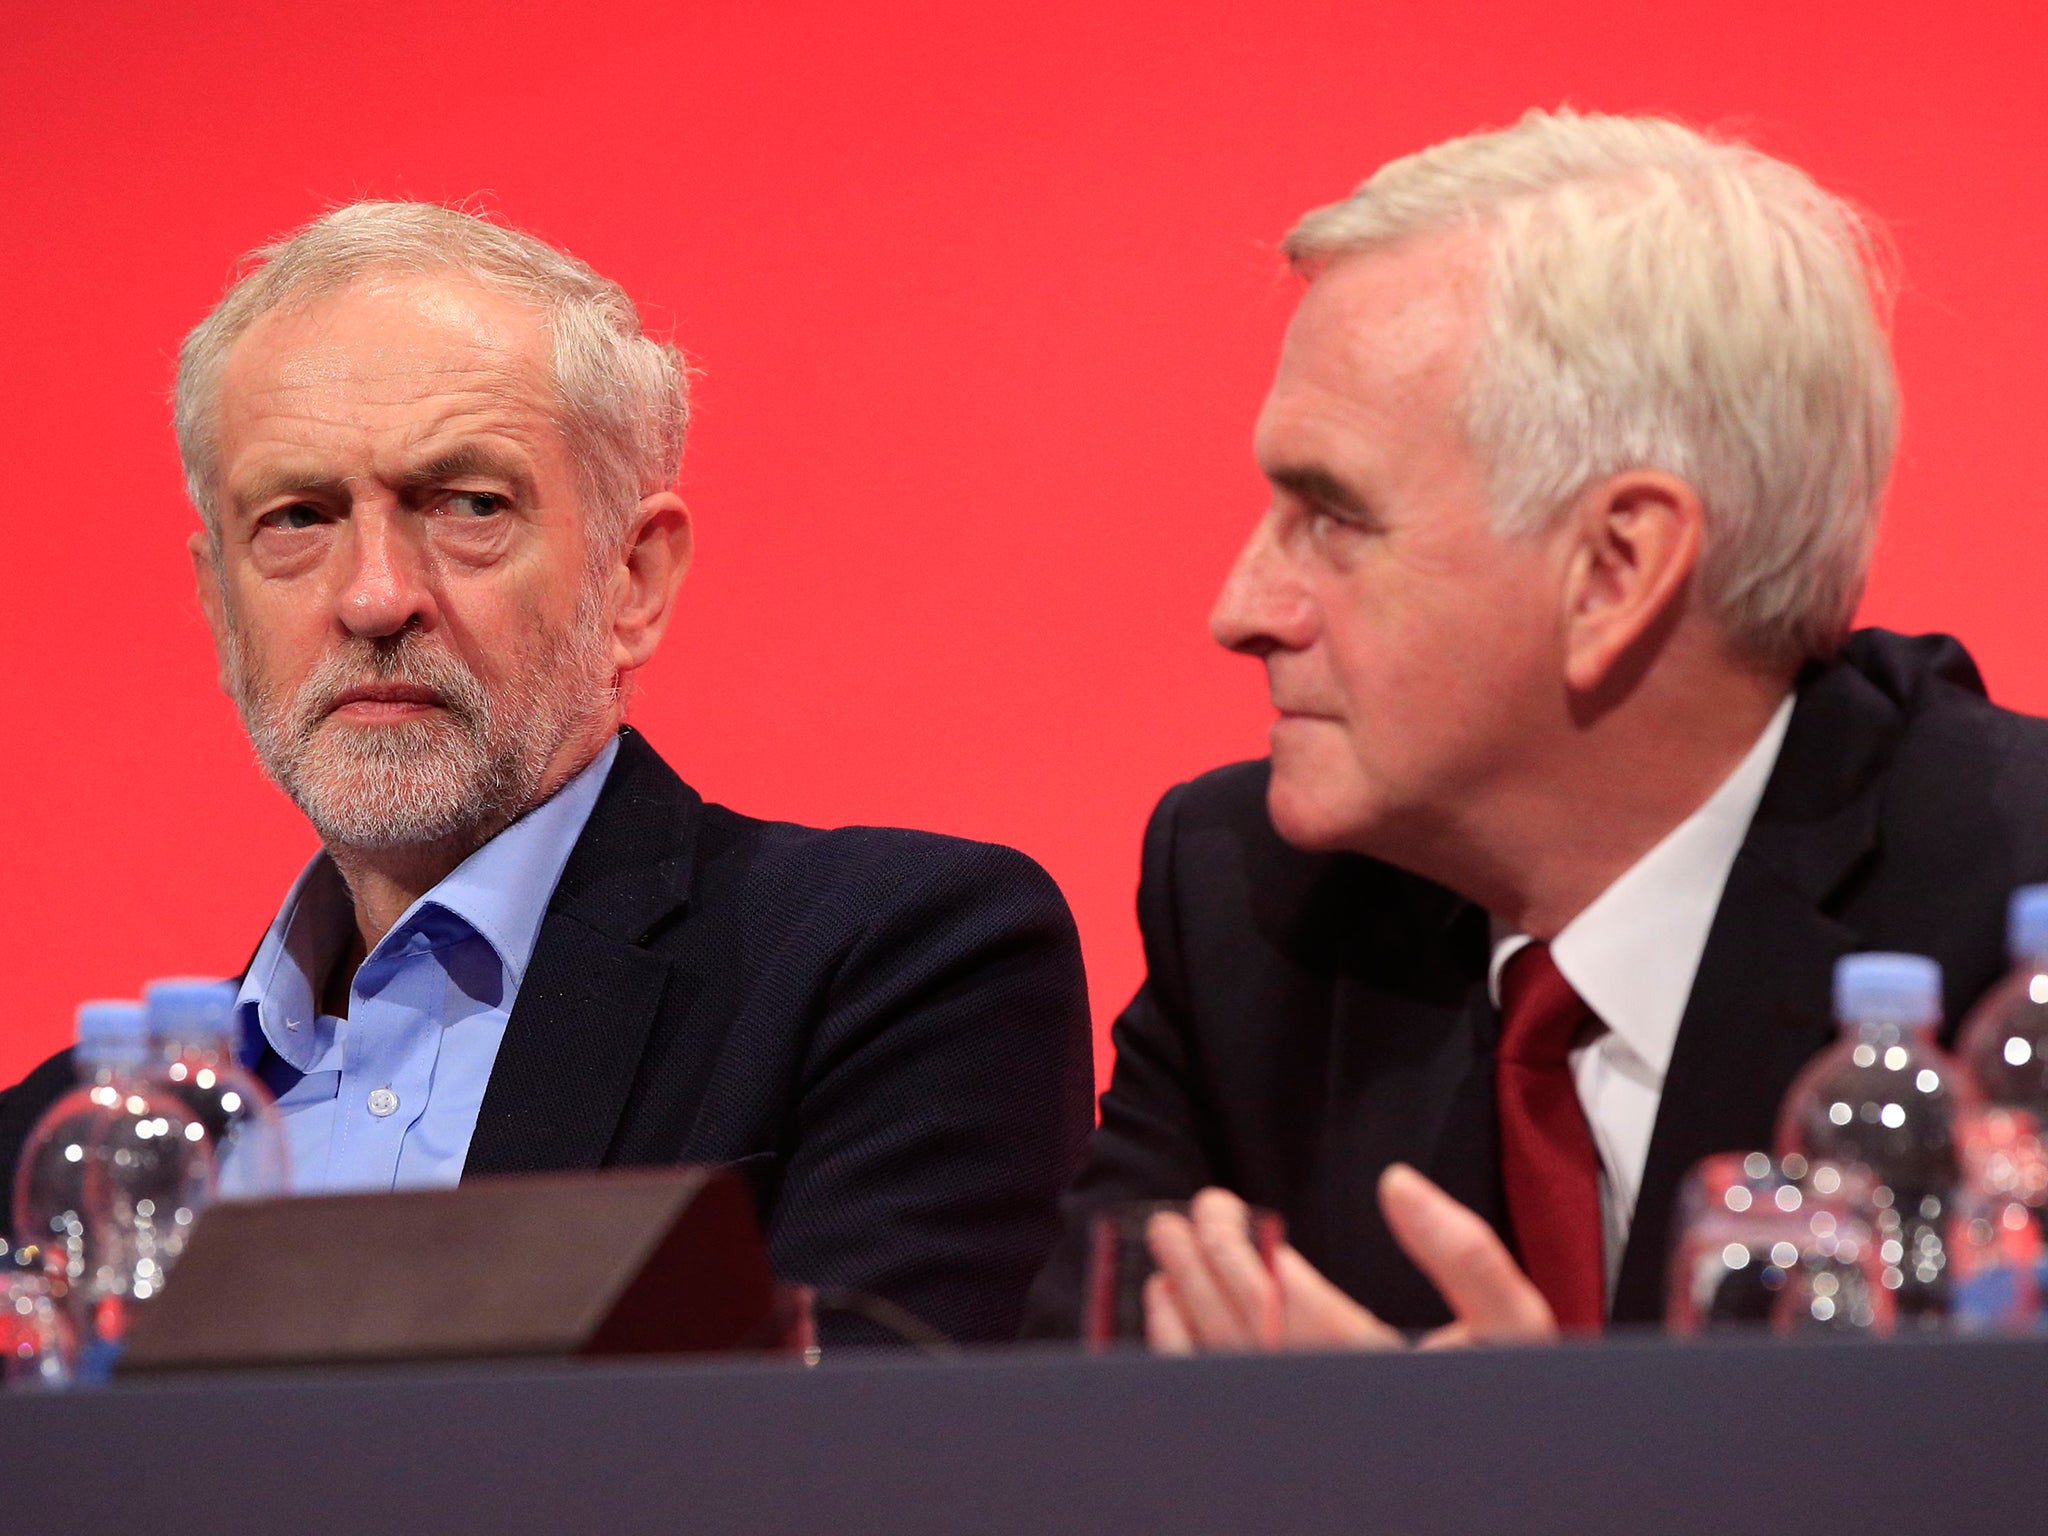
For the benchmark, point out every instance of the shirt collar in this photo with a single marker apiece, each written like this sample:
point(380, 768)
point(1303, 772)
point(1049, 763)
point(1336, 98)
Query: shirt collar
point(500, 893)
point(502, 890)
point(278, 1002)
point(1633, 952)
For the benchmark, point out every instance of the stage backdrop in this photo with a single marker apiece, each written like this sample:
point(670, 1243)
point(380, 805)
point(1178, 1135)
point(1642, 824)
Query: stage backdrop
point(983, 298)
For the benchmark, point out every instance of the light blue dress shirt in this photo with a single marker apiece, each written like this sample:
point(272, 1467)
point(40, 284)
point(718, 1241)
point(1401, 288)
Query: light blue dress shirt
point(387, 1098)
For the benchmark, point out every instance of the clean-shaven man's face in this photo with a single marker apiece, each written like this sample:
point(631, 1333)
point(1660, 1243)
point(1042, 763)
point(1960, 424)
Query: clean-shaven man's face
point(1409, 649)
point(402, 592)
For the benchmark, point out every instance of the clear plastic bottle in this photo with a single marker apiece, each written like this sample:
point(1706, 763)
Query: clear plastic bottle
point(1886, 1096)
point(1998, 1260)
point(193, 1039)
point(1777, 1242)
point(109, 1183)
point(2004, 1041)
point(36, 1344)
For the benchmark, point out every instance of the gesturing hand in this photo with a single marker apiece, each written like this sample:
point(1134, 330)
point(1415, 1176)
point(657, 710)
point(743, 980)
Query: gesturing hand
point(1212, 1292)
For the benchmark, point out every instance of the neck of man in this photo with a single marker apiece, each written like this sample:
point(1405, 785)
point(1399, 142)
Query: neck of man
point(1615, 781)
point(384, 882)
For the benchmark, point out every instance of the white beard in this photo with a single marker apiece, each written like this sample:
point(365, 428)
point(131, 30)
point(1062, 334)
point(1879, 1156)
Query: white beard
point(454, 776)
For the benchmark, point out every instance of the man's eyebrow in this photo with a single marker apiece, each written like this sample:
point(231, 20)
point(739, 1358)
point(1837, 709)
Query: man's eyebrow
point(467, 461)
point(270, 484)
point(1313, 483)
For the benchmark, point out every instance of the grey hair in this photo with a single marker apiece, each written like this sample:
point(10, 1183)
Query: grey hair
point(1659, 299)
point(622, 395)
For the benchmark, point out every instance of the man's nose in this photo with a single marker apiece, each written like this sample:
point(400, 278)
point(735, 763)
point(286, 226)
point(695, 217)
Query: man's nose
point(1262, 607)
point(386, 585)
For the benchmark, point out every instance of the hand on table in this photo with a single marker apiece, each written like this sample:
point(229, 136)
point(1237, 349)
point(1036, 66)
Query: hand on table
point(1212, 1292)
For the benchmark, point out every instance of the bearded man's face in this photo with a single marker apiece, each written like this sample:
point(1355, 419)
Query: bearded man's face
point(409, 615)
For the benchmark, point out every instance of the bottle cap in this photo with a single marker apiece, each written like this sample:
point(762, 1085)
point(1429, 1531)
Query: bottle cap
point(111, 1033)
point(191, 1008)
point(1887, 989)
point(2026, 923)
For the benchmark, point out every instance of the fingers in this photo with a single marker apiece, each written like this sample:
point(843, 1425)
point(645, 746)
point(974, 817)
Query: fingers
point(1216, 1290)
point(1184, 1275)
point(1490, 1297)
point(1166, 1331)
point(1223, 1224)
point(1314, 1314)
point(1219, 1285)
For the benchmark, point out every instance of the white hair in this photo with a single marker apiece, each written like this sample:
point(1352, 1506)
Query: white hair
point(622, 396)
point(1658, 299)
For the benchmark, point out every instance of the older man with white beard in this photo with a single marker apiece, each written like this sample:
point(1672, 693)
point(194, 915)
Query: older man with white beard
point(434, 463)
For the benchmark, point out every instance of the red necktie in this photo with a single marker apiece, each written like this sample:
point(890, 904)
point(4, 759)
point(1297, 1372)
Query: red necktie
point(1548, 1163)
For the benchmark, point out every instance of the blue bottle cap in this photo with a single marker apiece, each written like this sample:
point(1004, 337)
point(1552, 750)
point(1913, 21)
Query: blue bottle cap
point(1887, 989)
point(190, 1008)
point(111, 1032)
point(2026, 923)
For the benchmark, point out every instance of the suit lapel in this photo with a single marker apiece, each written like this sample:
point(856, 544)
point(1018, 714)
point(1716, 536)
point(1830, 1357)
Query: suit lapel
point(1758, 1013)
point(1408, 1082)
point(570, 1053)
point(1759, 1008)
point(572, 1049)
point(1464, 1155)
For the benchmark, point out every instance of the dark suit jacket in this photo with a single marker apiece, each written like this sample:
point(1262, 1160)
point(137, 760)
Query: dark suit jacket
point(887, 1031)
point(1307, 1020)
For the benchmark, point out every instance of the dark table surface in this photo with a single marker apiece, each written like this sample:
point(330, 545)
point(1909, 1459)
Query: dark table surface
point(1640, 1437)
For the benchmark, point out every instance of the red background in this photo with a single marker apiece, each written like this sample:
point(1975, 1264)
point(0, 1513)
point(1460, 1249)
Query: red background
point(984, 299)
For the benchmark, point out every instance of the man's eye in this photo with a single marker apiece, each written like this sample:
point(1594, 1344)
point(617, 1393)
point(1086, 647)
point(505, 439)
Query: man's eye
point(475, 503)
point(298, 515)
point(1327, 522)
point(1324, 521)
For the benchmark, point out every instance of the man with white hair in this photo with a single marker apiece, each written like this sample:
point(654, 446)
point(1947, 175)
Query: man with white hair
point(434, 459)
point(1580, 783)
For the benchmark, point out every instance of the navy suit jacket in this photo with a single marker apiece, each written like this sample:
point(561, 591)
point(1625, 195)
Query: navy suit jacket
point(886, 1031)
point(1308, 1019)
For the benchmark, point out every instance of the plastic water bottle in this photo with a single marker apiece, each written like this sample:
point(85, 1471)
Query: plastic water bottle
point(109, 1183)
point(2004, 1042)
point(1998, 1259)
point(36, 1345)
point(1886, 1096)
point(193, 1039)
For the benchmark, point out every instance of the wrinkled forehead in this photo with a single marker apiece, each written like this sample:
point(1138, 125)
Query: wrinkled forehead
point(1374, 367)
point(1393, 318)
point(383, 335)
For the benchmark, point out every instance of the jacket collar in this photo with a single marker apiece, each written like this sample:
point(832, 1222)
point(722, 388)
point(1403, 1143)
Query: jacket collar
point(1759, 1007)
point(630, 873)
point(574, 1043)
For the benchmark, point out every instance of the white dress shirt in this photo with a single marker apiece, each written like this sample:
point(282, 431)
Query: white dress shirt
point(1631, 955)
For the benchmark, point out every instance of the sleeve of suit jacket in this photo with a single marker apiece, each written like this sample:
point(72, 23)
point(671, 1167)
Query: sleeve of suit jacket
point(944, 1098)
point(1151, 1143)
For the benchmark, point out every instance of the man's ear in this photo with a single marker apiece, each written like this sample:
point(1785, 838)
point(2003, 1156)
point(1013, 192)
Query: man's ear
point(1635, 544)
point(649, 572)
point(212, 601)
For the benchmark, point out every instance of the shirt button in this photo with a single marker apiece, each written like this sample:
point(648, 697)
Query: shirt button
point(382, 1102)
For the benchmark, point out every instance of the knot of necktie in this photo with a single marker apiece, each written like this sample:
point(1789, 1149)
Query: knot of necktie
point(1541, 1017)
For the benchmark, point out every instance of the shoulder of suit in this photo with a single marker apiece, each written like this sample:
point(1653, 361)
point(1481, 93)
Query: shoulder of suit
point(23, 1104)
point(1233, 796)
point(719, 833)
point(653, 829)
point(53, 1076)
point(1948, 718)
point(879, 867)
